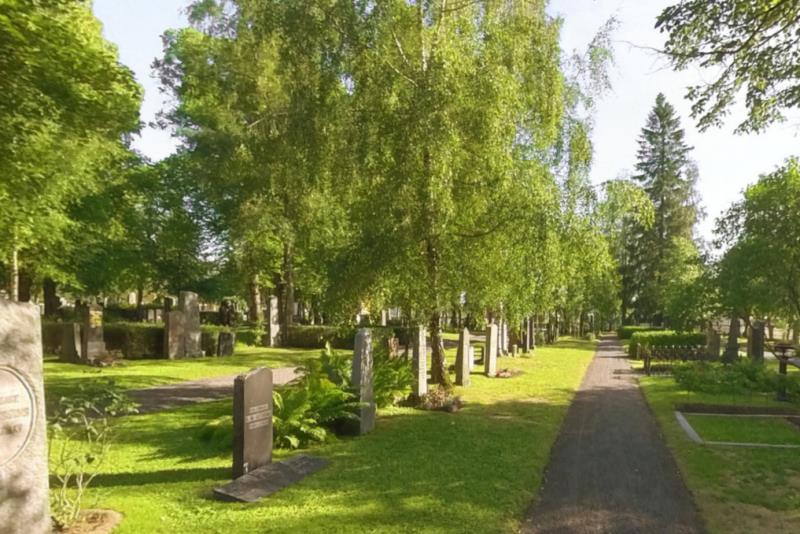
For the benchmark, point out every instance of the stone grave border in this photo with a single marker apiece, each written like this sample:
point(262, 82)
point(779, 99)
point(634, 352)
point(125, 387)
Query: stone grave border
point(695, 437)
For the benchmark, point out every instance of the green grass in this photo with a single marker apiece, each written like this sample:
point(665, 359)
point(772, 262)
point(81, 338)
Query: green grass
point(737, 489)
point(773, 430)
point(476, 470)
point(61, 378)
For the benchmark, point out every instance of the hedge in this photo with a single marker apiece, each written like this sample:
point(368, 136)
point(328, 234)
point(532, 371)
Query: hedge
point(136, 341)
point(315, 336)
point(625, 332)
point(664, 338)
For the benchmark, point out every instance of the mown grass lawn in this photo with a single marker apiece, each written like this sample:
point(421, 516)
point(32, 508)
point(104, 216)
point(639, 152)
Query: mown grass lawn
point(61, 378)
point(476, 470)
point(736, 489)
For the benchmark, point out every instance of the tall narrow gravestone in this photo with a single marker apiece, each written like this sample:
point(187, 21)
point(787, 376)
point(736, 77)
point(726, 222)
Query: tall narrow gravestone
point(462, 358)
point(274, 322)
point(526, 335)
point(252, 421)
point(471, 358)
point(24, 507)
point(732, 347)
point(92, 344)
point(189, 305)
point(420, 362)
point(490, 351)
point(361, 378)
point(174, 331)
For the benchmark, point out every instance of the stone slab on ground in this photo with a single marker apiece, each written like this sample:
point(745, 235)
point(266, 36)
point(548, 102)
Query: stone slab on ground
point(270, 479)
point(170, 396)
point(610, 470)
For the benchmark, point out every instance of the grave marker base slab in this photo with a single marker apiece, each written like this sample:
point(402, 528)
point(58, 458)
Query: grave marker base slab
point(270, 479)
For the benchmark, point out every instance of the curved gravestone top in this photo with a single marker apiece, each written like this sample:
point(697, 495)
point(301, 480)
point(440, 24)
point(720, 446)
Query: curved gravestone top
point(17, 414)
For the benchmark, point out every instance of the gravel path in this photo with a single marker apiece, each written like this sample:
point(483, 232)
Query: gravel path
point(610, 470)
point(171, 396)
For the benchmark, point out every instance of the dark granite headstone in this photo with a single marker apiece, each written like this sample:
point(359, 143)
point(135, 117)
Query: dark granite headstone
point(362, 379)
point(70, 343)
point(252, 421)
point(420, 361)
point(188, 304)
point(227, 340)
point(93, 346)
point(462, 358)
point(713, 344)
point(24, 504)
point(174, 328)
point(732, 347)
point(270, 479)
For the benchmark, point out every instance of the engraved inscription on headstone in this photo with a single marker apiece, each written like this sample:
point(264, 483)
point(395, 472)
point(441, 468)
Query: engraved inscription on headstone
point(17, 414)
point(252, 421)
point(24, 492)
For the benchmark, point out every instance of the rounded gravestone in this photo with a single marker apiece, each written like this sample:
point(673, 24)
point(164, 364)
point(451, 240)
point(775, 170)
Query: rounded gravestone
point(17, 414)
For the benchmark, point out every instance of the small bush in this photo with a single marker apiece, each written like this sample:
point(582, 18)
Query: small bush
point(626, 332)
point(81, 435)
point(52, 334)
point(740, 378)
point(663, 338)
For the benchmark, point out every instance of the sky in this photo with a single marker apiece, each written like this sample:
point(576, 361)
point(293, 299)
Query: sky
point(727, 162)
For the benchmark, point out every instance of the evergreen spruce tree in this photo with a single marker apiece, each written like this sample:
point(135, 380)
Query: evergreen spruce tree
point(669, 177)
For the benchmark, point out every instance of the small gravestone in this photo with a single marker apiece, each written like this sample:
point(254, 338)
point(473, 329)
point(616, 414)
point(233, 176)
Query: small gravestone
point(226, 343)
point(526, 335)
point(189, 305)
point(463, 358)
point(471, 358)
point(756, 342)
point(252, 421)
point(174, 329)
point(24, 505)
point(490, 351)
point(420, 362)
point(384, 317)
point(361, 378)
point(93, 347)
point(274, 322)
point(70, 343)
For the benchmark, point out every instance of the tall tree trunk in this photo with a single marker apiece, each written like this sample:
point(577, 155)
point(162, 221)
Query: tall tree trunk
point(439, 372)
point(13, 286)
point(254, 304)
point(288, 287)
point(25, 286)
point(51, 300)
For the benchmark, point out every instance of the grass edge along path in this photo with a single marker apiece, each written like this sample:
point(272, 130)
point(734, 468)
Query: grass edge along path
point(736, 489)
point(419, 471)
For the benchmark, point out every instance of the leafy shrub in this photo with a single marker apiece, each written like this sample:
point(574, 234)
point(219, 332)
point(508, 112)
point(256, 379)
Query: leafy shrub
point(626, 332)
point(441, 399)
point(81, 435)
point(740, 378)
point(392, 377)
point(663, 338)
point(336, 365)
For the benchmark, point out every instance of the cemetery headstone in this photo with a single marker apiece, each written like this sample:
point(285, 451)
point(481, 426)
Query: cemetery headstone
point(471, 358)
point(713, 343)
point(24, 504)
point(93, 346)
point(274, 322)
point(70, 343)
point(190, 307)
point(174, 330)
point(490, 351)
point(226, 343)
point(361, 379)
point(384, 317)
point(732, 347)
point(252, 421)
point(756, 341)
point(526, 335)
point(420, 361)
point(462, 358)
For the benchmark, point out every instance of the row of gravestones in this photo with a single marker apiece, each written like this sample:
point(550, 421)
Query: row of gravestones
point(84, 342)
